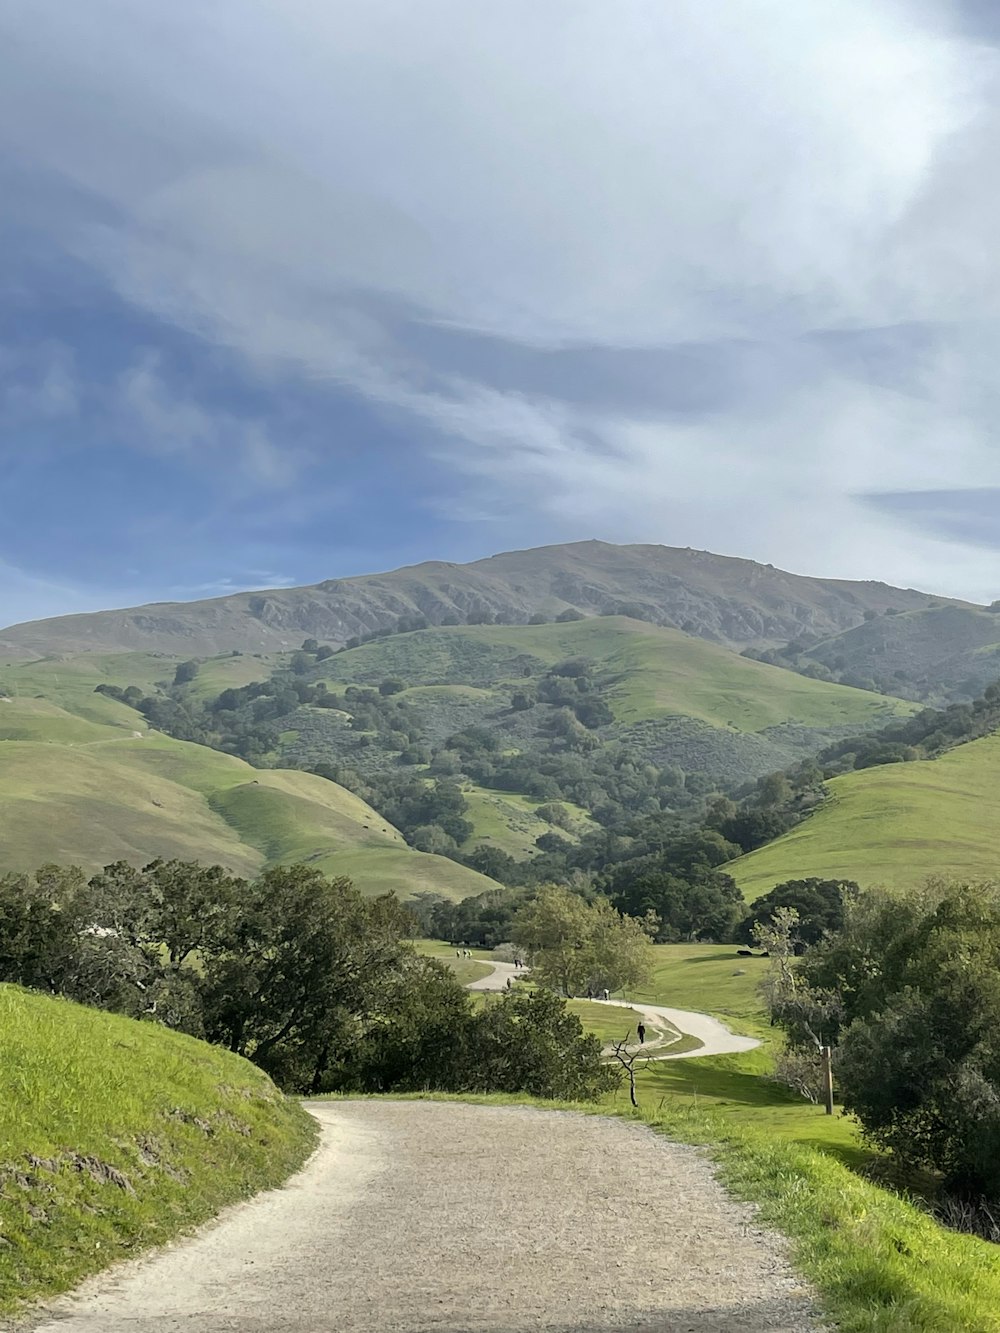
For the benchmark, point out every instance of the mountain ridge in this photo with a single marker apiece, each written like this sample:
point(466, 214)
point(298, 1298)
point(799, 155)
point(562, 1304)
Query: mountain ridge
point(726, 599)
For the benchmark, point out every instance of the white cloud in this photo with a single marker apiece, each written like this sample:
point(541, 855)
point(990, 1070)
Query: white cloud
point(573, 172)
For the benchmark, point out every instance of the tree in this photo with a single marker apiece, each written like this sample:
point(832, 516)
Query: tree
point(304, 961)
point(431, 838)
point(571, 613)
point(574, 945)
point(919, 1057)
point(185, 672)
point(529, 1042)
point(389, 687)
point(818, 903)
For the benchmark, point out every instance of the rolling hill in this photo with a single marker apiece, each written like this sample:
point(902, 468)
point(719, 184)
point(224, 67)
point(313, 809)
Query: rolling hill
point(98, 785)
point(69, 756)
point(735, 602)
point(937, 654)
point(893, 825)
point(672, 698)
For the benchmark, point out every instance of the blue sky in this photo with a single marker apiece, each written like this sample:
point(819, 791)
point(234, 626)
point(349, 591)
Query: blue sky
point(292, 290)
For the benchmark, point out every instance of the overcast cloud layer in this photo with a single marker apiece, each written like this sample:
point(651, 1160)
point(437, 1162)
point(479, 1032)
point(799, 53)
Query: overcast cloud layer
point(298, 288)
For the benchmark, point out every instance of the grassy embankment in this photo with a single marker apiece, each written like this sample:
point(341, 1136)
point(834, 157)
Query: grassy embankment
point(893, 825)
point(84, 781)
point(116, 1135)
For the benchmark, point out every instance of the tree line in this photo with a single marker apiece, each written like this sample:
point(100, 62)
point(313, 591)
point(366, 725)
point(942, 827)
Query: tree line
point(315, 983)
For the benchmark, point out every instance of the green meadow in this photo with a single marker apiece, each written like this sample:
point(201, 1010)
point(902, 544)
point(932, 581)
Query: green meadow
point(893, 825)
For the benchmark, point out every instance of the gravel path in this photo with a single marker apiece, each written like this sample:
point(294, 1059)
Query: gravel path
point(498, 978)
point(715, 1037)
point(442, 1217)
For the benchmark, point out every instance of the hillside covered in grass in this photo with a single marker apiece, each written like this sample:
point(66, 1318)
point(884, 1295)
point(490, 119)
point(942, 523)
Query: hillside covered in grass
point(86, 781)
point(893, 825)
point(117, 1134)
point(546, 730)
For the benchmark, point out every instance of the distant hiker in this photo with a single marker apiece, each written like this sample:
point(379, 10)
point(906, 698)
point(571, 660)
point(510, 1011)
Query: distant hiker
point(509, 983)
point(640, 1032)
point(607, 994)
point(458, 953)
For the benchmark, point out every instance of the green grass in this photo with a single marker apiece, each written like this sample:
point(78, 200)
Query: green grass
point(709, 978)
point(465, 969)
point(507, 820)
point(893, 825)
point(610, 1024)
point(80, 791)
point(116, 1135)
point(659, 672)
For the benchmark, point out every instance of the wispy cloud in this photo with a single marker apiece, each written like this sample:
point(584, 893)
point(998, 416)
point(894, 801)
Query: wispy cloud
point(613, 204)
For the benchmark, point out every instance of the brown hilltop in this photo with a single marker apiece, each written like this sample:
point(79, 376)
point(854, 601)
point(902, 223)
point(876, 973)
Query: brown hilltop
point(731, 601)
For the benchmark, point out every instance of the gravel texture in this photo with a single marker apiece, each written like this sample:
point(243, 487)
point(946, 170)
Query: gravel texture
point(449, 1217)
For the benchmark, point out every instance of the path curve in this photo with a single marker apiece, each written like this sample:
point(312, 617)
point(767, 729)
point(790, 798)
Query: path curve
point(715, 1037)
point(455, 1218)
point(498, 978)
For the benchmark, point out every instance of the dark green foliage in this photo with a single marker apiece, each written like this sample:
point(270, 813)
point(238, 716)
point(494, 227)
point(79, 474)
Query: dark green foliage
point(304, 976)
point(389, 687)
point(528, 1042)
point(919, 1060)
point(186, 672)
point(569, 614)
point(483, 921)
point(750, 828)
point(819, 903)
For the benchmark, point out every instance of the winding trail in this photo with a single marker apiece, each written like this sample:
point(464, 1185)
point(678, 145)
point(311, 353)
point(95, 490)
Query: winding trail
point(715, 1037)
point(445, 1217)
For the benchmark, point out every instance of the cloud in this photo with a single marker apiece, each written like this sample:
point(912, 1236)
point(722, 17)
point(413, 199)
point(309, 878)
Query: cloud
point(642, 269)
point(149, 414)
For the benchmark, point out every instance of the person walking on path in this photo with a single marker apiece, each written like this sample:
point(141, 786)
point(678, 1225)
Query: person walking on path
point(641, 1034)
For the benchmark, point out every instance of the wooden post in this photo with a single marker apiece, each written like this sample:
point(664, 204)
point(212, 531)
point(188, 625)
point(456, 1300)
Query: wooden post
point(827, 1054)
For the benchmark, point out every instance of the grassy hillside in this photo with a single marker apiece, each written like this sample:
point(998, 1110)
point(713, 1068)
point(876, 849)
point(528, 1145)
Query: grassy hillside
point(654, 672)
point(80, 791)
point(730, 601)
point(938, 653)
point(894, 825)
point(116, 1134)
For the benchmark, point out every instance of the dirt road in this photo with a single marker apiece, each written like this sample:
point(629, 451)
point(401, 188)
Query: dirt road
point(416, 1217)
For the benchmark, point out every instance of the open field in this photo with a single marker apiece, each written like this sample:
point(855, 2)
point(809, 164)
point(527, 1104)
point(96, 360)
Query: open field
point(116, 1134)
point(893, 825)
point(465, 969)
point(88, 792)
point(507, 820)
